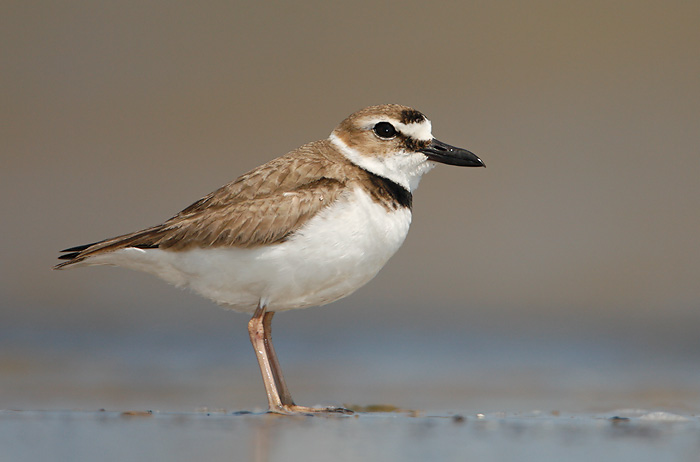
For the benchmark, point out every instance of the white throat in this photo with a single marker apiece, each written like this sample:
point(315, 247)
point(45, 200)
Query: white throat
point(403, 168)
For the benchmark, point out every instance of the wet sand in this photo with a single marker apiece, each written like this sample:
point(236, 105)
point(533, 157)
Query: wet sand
point(399, 436)
point(180, 395)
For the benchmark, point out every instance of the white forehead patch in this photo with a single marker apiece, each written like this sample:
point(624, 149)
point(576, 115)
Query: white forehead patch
point(421, 131)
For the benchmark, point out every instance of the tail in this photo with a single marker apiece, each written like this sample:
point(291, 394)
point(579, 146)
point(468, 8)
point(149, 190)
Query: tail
point(145, 239)
point(73, 255)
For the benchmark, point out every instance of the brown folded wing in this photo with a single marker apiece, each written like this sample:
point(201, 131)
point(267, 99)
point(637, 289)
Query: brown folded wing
point(262, 207)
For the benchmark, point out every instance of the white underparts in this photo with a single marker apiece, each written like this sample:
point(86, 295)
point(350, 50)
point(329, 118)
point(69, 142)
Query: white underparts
point(332, 255)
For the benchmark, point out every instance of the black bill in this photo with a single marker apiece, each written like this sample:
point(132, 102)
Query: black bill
point(446, 154)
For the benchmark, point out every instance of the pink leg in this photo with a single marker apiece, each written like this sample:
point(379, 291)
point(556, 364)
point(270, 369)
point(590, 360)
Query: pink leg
point(278, 397)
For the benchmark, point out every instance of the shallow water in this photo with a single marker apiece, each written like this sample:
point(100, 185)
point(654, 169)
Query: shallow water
point(115, 436)
point(182, 395)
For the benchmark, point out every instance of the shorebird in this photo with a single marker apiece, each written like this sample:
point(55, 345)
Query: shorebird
point(304, 229)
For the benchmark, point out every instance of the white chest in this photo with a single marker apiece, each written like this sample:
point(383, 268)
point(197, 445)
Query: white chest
point(336, 253)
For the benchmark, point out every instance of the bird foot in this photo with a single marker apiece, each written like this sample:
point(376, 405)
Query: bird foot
point(293, 409)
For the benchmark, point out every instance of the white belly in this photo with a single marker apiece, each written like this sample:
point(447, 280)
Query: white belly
point(334, 254)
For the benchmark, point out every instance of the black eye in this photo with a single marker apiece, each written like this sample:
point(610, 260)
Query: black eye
point(385, 130)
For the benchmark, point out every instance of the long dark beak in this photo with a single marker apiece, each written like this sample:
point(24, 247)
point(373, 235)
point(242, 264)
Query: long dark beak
point(446, 154)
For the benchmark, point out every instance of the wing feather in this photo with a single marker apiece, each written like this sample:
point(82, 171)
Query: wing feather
point(262, 207)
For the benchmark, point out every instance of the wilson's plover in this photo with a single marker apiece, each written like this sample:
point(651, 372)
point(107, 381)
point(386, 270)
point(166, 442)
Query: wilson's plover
point(305, 229)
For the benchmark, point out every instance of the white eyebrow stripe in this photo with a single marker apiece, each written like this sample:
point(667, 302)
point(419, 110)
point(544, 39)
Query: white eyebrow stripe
point(421, 131)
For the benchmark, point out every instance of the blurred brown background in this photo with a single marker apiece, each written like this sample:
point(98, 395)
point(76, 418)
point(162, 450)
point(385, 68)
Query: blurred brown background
point(585, 222)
